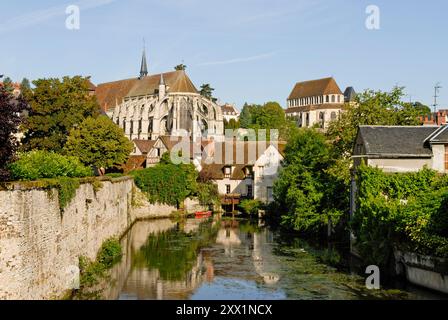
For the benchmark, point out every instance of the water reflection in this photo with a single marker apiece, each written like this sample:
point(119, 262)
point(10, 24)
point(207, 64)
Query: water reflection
point(228, 259)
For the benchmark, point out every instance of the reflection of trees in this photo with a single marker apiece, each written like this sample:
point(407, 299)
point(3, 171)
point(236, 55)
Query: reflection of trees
point(174, 253)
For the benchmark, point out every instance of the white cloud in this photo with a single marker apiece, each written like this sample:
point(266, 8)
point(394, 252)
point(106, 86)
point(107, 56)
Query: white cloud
point(239, 60)
point(39, 16)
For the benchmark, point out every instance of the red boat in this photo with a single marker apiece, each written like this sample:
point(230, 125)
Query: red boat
point(203, 214)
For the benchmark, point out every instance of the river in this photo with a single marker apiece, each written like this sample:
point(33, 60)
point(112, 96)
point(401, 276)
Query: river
point(238, 260)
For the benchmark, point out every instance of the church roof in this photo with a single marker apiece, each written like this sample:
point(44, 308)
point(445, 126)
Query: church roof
point(177, 81)
point(111, 93)
point(315, 88)
point(229, 109)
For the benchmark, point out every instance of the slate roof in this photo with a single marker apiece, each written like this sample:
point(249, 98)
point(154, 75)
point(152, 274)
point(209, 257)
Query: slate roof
point(315, 88)
point(439, 136)
point(349, 94)
point(396, 141)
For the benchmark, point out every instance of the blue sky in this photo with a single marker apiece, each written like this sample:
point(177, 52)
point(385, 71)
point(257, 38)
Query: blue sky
point(248, 50)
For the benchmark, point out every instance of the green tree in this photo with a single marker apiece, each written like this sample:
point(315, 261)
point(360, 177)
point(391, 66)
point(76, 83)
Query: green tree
point(56, 107)
point(232, 124)
point(246, 115)
point(180, 67)
point(372, 108)
point(25, 87)
point(99, 142)
point(11, 115)
point(8, 85)
point(207, 92)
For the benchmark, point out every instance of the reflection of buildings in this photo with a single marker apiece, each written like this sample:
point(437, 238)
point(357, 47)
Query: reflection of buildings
point(264, 264)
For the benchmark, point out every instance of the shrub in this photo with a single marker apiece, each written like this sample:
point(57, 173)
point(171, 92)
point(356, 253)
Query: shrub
point(36, 165)
point(406, 211)
point(250, 207)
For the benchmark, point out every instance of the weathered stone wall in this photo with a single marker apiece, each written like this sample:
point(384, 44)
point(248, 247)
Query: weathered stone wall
point(40, 246)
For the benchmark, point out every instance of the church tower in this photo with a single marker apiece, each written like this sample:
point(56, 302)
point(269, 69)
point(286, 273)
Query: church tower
point(144, 65)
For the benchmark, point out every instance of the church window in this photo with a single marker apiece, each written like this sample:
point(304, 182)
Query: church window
point(333, 99)
point(307, 120)
point(333, 116)
point(322, 119)
point(124, 125)
point(140, 126)
point(132, 127)
point(339, 98)
point(327, 99)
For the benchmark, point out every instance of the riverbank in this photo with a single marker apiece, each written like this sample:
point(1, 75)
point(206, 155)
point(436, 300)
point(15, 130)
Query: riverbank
point(41, 243)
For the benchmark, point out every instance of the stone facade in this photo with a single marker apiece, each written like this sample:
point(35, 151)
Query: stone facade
point(40, 246)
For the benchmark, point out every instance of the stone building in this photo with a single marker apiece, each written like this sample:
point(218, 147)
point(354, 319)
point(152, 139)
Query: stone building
point(402, 148)
point(151, 106)
point(317, 102)
point(230, 112)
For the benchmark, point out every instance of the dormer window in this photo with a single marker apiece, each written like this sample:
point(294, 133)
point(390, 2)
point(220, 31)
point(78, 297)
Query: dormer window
point(249, 172)
point(227, 172)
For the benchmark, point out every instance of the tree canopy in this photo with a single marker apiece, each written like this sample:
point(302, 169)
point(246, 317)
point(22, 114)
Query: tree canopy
point(56, 107)
point(207, 92)
point(99, 142)
point(11, 116)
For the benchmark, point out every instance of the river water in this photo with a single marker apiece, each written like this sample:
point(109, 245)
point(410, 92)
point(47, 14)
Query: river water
point(238, 260)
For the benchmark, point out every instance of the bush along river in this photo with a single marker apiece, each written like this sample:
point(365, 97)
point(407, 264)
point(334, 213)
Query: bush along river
point(236, 259)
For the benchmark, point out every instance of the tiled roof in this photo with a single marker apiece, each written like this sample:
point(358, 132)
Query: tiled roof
point(228, 108)
point(111, 93)
point(177, 81)
point(396, 141)
point(239, 160)
point(315, 88)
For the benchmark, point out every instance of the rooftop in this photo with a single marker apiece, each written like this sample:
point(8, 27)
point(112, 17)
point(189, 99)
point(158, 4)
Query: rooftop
point(315, 88)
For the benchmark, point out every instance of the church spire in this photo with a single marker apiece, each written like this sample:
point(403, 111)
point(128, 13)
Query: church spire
point(144, 66)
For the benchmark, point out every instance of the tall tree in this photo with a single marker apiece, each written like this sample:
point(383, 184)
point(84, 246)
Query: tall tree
point(372, 108)
point(25, 86)
point(246, 115)
point(207, 92)
point(56, 107)
point(8, 85)
point(11, 115)
point(180, 67)
point(99, 142)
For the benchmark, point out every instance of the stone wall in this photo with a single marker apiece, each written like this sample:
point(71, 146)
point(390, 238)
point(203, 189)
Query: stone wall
point(40, 246)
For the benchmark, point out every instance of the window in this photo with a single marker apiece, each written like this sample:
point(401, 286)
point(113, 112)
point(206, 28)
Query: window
point(227, 172)
point(339, 98)
point(333, 99)
point(270, 193)
point(159, 153)
point(333, 116)
point(228, 189)
point(249, 191)
point(261, 170)
point(327, 99)
point(446, 157)
point(307, 120)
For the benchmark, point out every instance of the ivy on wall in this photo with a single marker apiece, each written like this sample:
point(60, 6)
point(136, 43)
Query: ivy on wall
point(408, 211)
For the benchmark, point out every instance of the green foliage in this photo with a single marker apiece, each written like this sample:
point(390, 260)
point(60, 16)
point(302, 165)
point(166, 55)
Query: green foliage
point(99, 142)
point(44, 165)
point(306, 189)
point(207, 92)
point(232, 124)
point(180, 67)
point(66, 190)
point(92, 272)
point(56, 108)
point(406, 211)
point(371, 108)
point(11, 115)
point(251, 207)
point(207, 194)
point(266, 117)
point(167, 183)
